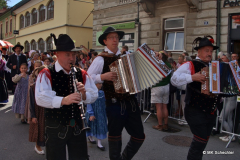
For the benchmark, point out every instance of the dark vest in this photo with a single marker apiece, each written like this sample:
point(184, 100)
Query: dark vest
point(194, 97)
point(108, 86)
point(63, 86)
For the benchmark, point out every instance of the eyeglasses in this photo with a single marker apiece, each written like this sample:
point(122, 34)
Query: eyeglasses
point(113, 37)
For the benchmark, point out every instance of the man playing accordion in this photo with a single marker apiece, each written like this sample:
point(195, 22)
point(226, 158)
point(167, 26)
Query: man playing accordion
point(200, 108)
point(122, 109)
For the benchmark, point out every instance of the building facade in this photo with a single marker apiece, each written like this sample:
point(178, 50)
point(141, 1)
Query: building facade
point(8, 23)
point(37, 19)
point(169, 24)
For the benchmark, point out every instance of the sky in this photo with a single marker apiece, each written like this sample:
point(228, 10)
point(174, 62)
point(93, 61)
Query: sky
point(12, 2)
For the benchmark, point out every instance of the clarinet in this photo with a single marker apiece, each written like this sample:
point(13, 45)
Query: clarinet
point(80, 104)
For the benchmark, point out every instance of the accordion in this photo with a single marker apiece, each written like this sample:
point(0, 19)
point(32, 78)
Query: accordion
point(138, 71)
point(222, 78)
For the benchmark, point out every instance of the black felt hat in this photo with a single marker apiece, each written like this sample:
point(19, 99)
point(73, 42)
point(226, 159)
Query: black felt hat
point(107, 31)
point(18, 45)
point(64, 43)
point(206, 42)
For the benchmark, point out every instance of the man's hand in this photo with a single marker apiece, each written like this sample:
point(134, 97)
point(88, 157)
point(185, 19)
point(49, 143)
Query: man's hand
point(109, 76)
point(14, 67)
point(72, 98)
point(81, 88)
point(92, 118)
point(34, 120)
point(199, 77)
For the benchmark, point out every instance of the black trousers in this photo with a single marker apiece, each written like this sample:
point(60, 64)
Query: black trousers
point(59, 136)
point(201, 125)
point(125, 113)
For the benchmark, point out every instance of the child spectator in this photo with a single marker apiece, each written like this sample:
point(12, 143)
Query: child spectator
point(97, 119)
point(31, 81)
point(37, 127)
point(20, 96)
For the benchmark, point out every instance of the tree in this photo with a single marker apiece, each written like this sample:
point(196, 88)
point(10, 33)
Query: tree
point(3, 4)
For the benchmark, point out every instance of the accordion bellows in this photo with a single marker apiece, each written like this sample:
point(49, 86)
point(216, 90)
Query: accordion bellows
point(138, 71)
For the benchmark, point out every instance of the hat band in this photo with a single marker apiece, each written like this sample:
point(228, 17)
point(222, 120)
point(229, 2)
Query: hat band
point(65, 47)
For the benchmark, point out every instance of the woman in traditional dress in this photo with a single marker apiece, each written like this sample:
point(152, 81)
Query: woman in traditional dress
point(3, 85)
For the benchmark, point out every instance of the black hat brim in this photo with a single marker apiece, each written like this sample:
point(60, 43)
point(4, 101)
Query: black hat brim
point(214, 47)
point(103, 36)
point(17, 46)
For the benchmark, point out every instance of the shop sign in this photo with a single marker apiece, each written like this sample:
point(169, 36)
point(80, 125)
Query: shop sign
point(228, 3)
point(129, 25)
point(16, 32)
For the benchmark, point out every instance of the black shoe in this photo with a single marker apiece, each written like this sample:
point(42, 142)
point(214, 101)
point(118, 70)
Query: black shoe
point(93, 142)
point(23, 122)
point(101, 148)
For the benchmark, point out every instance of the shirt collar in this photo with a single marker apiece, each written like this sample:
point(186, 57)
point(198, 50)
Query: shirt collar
point(58, 68)
point(108, 50)
point(19, 54)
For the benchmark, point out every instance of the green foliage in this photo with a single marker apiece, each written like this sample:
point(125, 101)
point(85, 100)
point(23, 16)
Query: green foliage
point(3, 4)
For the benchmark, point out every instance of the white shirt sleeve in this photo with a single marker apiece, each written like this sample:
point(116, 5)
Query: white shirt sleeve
point(182, 75)
point(91, 90)
point(95, 69)
point(44, 95)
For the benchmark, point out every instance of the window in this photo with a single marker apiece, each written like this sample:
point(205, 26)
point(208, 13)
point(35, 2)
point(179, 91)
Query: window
point(10, 25)
point(6, 26)
point(174, 34)
point(41, 45)
point(50, 10)
point(42, 13)
point(27, 46)
point(21, 21)
point(34, 16)
point(33, 45)
point(49, 44)
point(27, 22)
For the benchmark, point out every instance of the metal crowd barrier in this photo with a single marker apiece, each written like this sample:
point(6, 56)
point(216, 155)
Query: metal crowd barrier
point(175, 112)
point(235, 122)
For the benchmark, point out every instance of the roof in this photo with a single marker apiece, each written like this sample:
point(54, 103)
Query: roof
point(16, 6)
point(19, 4)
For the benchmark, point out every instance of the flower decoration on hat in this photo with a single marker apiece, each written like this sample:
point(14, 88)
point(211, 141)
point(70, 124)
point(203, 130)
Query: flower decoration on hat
point(211, 40)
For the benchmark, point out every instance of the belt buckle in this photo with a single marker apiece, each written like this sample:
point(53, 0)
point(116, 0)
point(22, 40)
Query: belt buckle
point(114, 100)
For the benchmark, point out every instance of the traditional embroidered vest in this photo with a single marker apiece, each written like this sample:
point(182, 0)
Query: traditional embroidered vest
point(108, 87)
point(194, 97)
point(62, 84)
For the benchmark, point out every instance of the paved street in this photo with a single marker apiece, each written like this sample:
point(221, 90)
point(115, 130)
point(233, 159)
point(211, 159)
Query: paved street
point(14, 144)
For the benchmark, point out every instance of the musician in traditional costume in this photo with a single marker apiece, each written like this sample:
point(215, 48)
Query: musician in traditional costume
point(200, 108)
point(55, 92)
point(122, 109)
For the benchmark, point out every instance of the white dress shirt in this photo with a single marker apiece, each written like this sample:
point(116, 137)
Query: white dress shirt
point(96, 68)
point(182, 76)
point(47, 98)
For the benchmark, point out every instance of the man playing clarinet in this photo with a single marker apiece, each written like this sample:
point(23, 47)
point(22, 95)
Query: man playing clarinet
point(122, 109)
point(200, 108)
point(55, 92)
